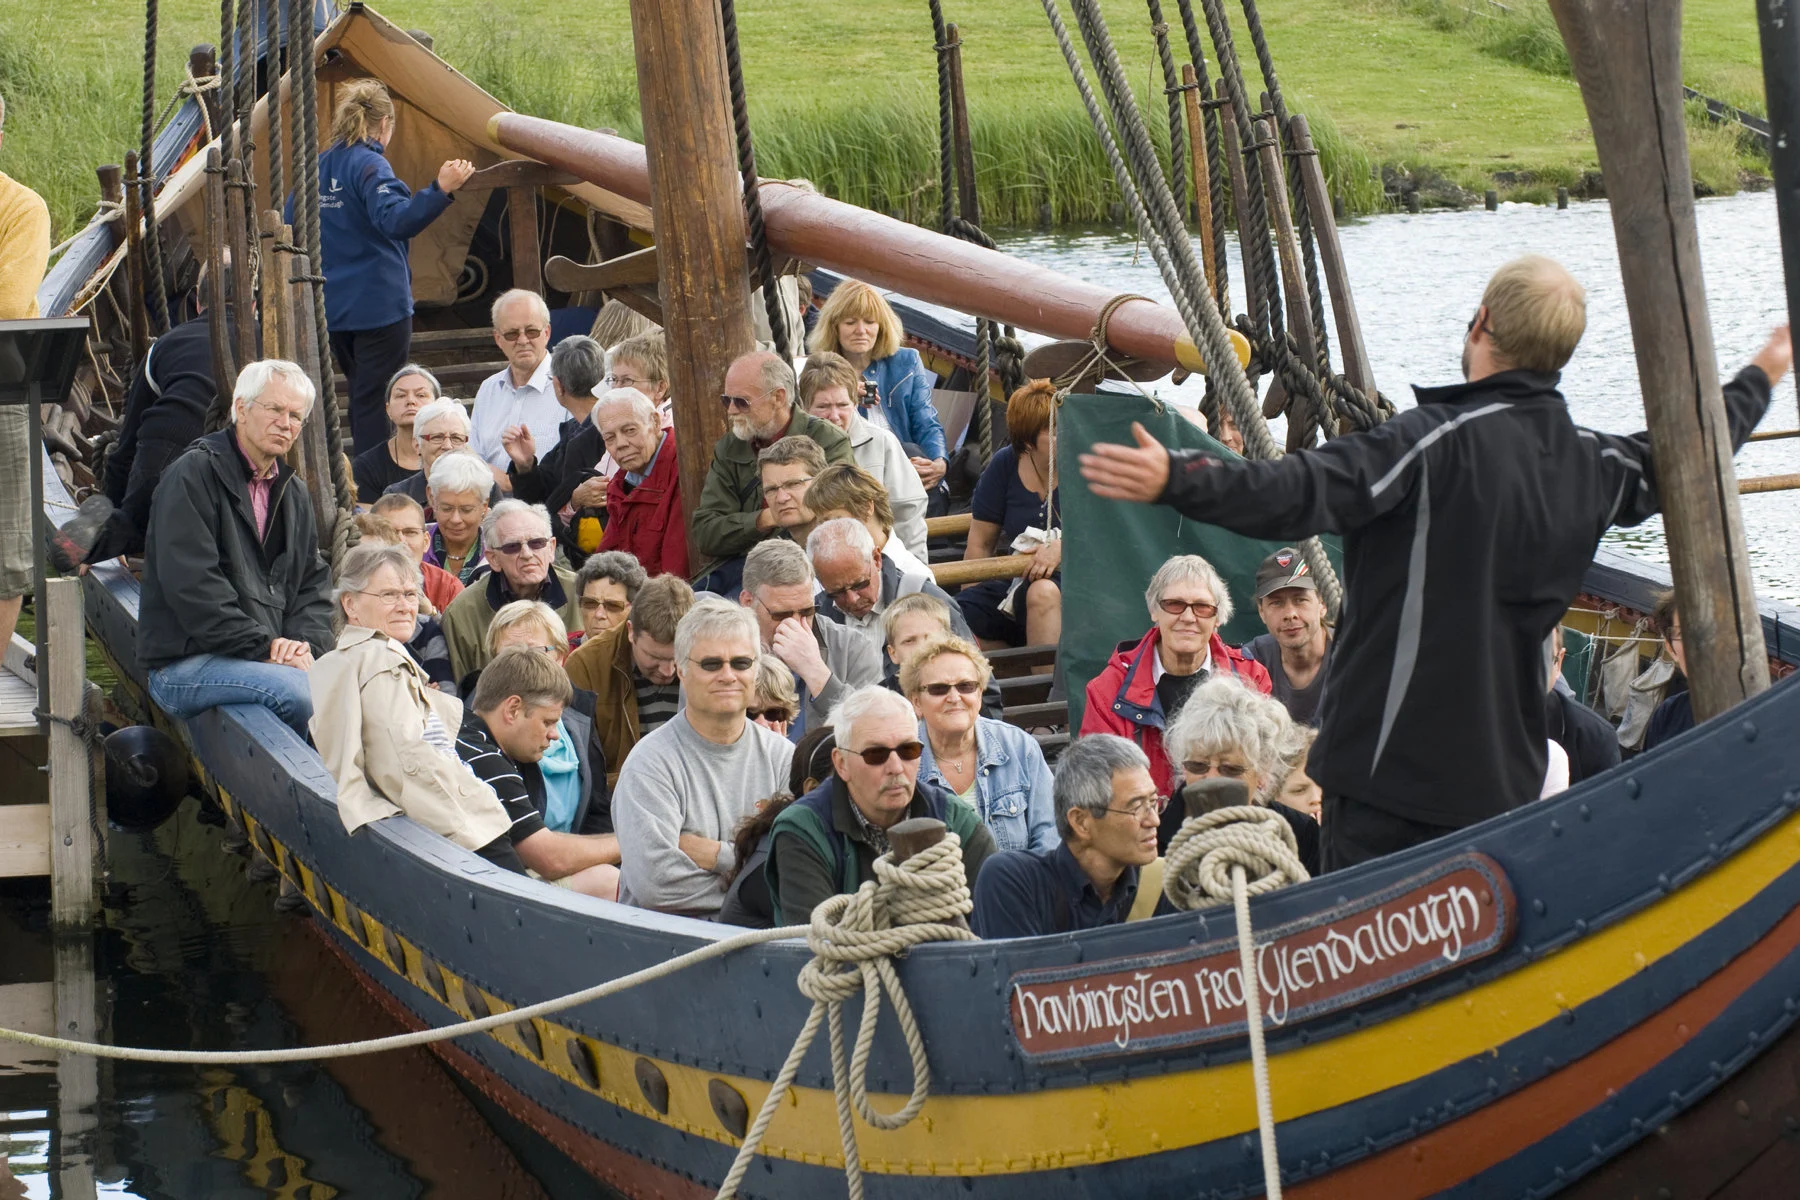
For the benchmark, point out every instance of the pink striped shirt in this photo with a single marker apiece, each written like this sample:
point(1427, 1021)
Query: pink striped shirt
point(260, 486)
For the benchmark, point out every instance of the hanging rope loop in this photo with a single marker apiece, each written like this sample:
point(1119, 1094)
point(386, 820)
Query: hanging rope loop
point(1197, 868)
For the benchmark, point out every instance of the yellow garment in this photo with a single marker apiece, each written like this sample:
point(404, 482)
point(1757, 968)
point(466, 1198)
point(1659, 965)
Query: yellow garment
point(24, 248)
point(1150, 890)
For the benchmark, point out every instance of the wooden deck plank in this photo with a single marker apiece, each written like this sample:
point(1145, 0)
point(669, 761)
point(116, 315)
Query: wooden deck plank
point(24, 840)
point(18, 702)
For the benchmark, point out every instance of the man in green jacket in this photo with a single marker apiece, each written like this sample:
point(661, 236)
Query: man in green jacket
point(825, 843)
point(522, 551)
point(761, 409)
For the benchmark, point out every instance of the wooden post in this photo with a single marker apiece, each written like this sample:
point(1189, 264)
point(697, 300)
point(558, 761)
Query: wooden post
point(203, 61)
point(1302, 425)
point(695, 194)
point(1197, 165)
point(315, 459)
point(134, 261)
point(77, 1013)
point(1351, 350)
point(74, 843)
point(237, 233)
point(1240, 188)
point(522, 220)
point(277, 322)
point(967, 202)
point(1779, 23)
point(216, 294)
point(913, 836)
point(1627, 59)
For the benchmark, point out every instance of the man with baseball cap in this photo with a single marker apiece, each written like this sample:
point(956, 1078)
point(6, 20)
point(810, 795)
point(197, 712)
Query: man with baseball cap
point(1297, 649)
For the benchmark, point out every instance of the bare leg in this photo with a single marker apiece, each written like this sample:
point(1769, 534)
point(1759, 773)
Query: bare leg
point(1043, 613)
point(9, 619)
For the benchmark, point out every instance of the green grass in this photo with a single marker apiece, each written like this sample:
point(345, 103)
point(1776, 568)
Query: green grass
point(844, 95)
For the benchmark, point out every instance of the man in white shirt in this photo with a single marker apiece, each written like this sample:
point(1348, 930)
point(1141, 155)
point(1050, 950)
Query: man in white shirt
point(522, 393)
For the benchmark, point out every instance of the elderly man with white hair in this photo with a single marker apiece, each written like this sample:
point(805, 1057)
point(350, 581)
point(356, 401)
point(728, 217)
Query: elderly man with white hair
point(644, 510)
point(520, 548)
point(521, 393)
point(857, 583)
point(439, 428)
point(236, 600)
point(826, 842)
point(686, 787)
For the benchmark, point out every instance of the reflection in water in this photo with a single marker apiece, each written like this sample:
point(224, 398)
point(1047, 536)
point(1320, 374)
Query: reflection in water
point(192, 955)
point(1418, 279)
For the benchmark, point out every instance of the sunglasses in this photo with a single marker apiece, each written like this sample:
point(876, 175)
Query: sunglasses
point(713, 665)
point(530, 333)
point(964, 687)
point(859, 585)
point(1198, 767)
point(774, 714)
point(1201, 608)
point(511, 548)
point(735, 403)
point(876, 756)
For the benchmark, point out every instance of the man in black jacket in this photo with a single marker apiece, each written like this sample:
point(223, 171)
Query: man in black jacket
point(1468, 523)
point(235, 597)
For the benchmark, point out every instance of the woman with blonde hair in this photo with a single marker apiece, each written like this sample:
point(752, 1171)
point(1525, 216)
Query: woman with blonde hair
point(859, 324)
point(366, 218)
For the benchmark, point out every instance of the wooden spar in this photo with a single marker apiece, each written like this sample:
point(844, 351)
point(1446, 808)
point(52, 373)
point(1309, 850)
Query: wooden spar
point(522, 223)
point(239, 235)
point(967, 203)
point(1775, 435)
point(1767, 483)
point(1302, 427)
point(213, 237)
point(276, 334)
point(203, 61)
point(690, 180)
point(1627, 58)
point(887, 253)
point(1197, 164)
point(314, 455)
point(1779, 22)
point(1351, 350)
point(134, 260)
point(980, 570)
point(1240, 188)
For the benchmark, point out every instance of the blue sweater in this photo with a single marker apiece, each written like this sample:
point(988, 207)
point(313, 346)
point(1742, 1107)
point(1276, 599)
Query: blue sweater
point(366, 218)
point(905, 387)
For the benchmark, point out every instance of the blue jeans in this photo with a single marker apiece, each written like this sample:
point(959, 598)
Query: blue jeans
point(191, 686)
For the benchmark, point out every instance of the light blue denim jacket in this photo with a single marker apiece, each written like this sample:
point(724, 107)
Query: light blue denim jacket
point(1012, 785)
point(905, 387)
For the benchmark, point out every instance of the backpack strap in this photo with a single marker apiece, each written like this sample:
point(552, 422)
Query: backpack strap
point(1150, 890)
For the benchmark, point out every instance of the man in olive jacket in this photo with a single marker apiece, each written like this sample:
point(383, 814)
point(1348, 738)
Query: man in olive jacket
point(235, 597)
point(759, 401)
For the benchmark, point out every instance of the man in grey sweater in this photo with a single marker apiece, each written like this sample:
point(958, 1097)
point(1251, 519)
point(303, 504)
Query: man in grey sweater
point(829, 660)
point(687, 785)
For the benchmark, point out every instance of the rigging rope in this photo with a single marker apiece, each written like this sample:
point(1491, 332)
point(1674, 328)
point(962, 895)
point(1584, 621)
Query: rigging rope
point(155, 284)
point(773, 305)
point(245, 97)
point(1159, 30)
point(854, 939)
point(1210, 860)
point(274, 18)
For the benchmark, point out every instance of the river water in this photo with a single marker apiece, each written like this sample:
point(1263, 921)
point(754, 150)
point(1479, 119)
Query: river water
point(1418, 279)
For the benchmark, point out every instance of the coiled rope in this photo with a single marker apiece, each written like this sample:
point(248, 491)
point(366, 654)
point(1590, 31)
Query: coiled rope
point(1233, 854)
point(155, 284)
point(773, 305)
point(854, 939)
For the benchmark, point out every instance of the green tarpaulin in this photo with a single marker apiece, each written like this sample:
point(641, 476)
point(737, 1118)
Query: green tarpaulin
point(1112, 548)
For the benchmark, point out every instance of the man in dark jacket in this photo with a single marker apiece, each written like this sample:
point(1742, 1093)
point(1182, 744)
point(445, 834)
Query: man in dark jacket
point(235, 597)
point(1468, 523)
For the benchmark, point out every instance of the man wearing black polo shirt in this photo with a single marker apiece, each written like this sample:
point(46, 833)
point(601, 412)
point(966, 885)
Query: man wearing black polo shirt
point(1107, 815)
point(1297, 649)
point(513, 718)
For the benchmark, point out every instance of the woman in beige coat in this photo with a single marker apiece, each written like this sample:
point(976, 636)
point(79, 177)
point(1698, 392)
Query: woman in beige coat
point(386, 734)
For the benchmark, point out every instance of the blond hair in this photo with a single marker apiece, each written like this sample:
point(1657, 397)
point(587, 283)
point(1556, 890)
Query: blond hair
point(774, 683)
point(905, 606)
point(1536, 313)
point(846, 487)
point(934, 649)
point(825, 369)
point(363, 104)
point(648, 350)
point(854, 298)
point(528, 612)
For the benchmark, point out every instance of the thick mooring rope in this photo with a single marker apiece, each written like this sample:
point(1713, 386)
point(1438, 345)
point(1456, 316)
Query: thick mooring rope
point(854, 939)
point(773, 305)
point(1233, 854)
point(154, 283)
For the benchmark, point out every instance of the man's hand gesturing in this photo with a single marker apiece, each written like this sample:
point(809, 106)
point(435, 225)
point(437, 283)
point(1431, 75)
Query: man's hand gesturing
point(1139, 472)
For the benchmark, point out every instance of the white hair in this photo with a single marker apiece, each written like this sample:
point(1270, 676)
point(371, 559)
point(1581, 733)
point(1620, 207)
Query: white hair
point(436, 411)
point(1189, 568)
point(505, 298)
point(841, 534)
point(461, 472)
point(254, 379)
point(714, 617)
point(775, 563)
point(507, 508)
point(642, 407)
point(363, 560)
point(870, 701)
point(1222, 714)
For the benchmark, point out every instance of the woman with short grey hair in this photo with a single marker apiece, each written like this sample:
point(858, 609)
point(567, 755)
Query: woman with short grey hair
point(1189, 568)
point(460, 487)
point(606, 587)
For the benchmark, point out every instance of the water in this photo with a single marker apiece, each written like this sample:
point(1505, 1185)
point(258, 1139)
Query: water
point(192, 955)
point(1418, 279)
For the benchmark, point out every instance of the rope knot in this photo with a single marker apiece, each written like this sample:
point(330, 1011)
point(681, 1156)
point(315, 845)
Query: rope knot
point(1197, 868)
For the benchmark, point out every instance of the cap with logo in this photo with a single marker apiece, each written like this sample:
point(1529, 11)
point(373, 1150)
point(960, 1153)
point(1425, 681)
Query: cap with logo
point(1285, 568)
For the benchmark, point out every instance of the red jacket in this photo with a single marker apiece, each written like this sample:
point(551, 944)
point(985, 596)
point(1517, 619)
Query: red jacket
point(647, 520)
point(1122, 699)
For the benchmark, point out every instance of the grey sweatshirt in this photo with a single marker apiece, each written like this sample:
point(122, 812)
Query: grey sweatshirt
point(677, 782)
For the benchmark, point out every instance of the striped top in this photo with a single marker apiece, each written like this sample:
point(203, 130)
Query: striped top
point(482, 755)
point(656, 702)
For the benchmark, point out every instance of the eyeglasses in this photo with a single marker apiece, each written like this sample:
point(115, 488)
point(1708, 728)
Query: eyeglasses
point(876, 756)
point(395, 597)
point(530, 333)
point(859, 585)
point(736, 403)
point(774, 714)
point(1137, 807)
point(964, 687)
point(1198, 767)
point(780, 615)
point(281, 416)
point(789, 486)
point(712, 665)
point(1202, 608)
point(615, 607)
point(511, 548)
point(625, 381)
point(445, 439)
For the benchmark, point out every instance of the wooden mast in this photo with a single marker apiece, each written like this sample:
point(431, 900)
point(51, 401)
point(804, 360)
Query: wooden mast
point(696, 196)
point(1627, 59)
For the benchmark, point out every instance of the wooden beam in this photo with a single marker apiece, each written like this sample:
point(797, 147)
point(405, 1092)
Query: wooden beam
point(637, 268)
point(950, 526)
point(518, 173)
point(134, 260)
point(1626, 56)
point(1302, 427)
point(1199, 170)
point(980, 570)
point(74, 838)
point(1351, 350)
point(522, 223)
point(213, 239)
point(24, 840)
point(968, 203)
point(695, 193)
point(1767, 483)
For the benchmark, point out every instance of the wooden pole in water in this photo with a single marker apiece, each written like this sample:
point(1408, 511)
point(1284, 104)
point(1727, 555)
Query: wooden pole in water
point(1779, 22)
point(1197, 169)
point(74, 837)
point(1627, 59)
point(696, 195)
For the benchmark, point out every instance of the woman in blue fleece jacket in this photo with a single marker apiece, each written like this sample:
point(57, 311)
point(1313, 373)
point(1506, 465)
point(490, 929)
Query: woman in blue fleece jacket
point(366, 218)
point(858, 323)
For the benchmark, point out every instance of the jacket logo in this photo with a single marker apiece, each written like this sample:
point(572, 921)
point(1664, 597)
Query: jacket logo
point(334, 185)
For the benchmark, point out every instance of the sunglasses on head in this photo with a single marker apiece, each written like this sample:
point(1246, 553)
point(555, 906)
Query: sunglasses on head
point(775, 714)
point(876, 756)
point(964, 687)
point(511, 548)
point(713, 665)
point(1201, 608)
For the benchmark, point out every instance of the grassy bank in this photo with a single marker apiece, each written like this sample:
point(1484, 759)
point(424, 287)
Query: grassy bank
point(845, 95)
